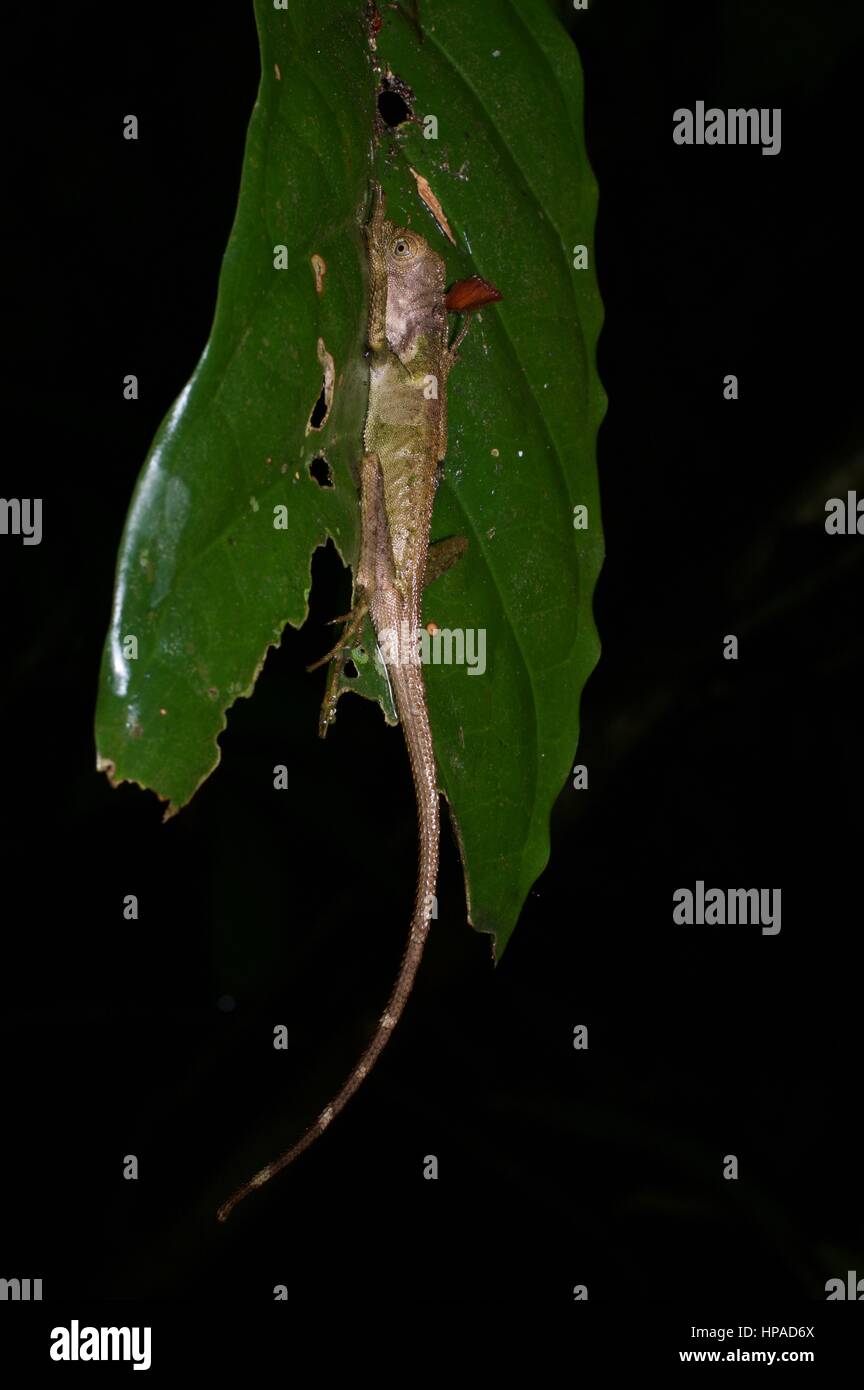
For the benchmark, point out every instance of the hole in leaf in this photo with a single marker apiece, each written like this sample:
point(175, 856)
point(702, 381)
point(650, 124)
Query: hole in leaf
point(350, 670)
point(320, 470)
point(321, 408)
point(319, 411)
point(393, 102)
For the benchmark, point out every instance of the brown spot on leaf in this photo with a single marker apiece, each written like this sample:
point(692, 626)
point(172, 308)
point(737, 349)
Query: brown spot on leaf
point(319, 265)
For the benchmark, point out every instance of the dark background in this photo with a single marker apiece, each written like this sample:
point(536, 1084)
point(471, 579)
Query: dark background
point(556, 1167)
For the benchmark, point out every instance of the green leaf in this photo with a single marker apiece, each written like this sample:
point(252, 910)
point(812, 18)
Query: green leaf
point(206, 581)
point(510, 170)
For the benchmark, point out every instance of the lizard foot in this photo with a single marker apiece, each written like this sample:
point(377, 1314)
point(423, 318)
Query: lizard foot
point(337, 656)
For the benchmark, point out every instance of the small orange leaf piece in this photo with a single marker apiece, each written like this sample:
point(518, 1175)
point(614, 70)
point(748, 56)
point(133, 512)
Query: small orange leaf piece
point(473, 293)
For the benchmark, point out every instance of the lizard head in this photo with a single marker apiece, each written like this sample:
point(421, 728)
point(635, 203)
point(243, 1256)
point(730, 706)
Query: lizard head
point(414, 275)
point(399, 253)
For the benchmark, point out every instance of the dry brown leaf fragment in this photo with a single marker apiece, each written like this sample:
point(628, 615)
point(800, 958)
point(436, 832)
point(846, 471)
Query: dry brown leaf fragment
point(473, 293)
point(432, 203)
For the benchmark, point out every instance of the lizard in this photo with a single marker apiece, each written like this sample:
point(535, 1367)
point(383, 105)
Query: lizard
point(404, 442)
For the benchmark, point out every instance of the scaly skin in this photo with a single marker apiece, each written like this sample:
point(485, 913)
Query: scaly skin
point(405, 438)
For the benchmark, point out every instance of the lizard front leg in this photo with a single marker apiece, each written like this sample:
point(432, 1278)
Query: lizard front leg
point(442, 556)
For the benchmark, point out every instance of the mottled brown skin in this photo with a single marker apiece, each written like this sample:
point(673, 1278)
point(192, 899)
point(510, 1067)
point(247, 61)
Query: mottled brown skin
point(406, 421)
point(405, 438)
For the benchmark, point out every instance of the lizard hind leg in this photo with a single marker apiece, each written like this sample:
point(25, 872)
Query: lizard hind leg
point(353, 625)
point(337, 657)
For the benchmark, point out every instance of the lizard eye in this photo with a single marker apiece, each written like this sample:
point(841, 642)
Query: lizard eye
point(402, 248)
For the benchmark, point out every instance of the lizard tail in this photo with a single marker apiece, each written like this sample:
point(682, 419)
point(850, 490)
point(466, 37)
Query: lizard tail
point(407, 681)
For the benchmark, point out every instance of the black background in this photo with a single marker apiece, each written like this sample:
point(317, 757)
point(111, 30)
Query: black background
point(556, 1167)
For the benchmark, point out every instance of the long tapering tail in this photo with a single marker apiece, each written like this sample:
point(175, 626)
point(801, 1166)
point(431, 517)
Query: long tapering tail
point(407, 680)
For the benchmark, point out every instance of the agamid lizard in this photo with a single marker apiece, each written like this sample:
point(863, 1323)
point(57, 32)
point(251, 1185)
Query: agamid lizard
point(405, 441)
